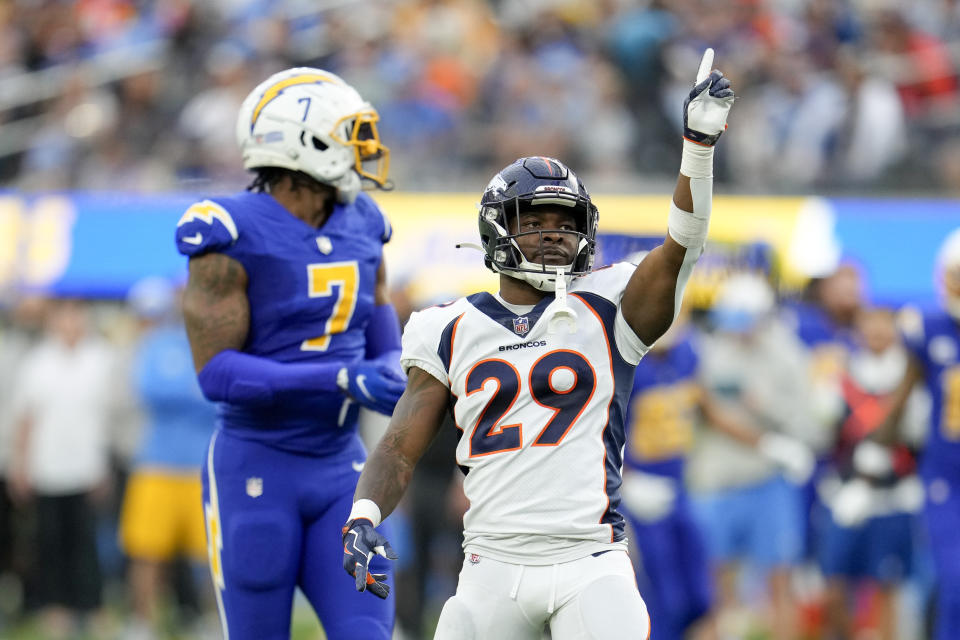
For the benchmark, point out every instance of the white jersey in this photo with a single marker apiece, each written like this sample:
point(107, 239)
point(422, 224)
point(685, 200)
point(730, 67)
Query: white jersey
point(541, 416)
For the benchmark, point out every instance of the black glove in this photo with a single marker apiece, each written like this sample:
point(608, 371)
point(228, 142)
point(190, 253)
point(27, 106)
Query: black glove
point(360, 541)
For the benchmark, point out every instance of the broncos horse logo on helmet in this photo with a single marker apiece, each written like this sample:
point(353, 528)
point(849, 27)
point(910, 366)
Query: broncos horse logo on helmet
point(521, 187)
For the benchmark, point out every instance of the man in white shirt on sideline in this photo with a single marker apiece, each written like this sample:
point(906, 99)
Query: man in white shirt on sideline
point(59, 461)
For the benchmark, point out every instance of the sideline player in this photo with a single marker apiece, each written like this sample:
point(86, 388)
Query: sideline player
point(871, 540)
point(538, 378)
point(661, 417)
point(934, 340)
point(290, 327)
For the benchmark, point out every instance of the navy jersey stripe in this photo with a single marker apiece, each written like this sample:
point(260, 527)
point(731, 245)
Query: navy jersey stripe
point(614, 432)
point(445, 350)
point(490, 307)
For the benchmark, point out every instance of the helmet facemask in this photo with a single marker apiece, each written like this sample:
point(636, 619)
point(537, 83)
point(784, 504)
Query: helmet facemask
point(371, 156)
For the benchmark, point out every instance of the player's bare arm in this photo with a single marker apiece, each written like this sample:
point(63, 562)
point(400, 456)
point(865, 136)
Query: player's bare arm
point(649, 299)
point(215, 306)
point(381, 293)
point(416, 420)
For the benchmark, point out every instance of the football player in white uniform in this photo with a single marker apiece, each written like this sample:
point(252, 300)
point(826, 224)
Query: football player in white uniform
point(538, 378)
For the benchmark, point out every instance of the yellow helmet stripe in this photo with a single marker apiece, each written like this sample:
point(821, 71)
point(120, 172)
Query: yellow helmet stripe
point(274, 90)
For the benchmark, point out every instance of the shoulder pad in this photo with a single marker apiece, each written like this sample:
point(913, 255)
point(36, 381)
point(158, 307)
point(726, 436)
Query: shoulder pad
point(422, 337)
point(379, 223)
point(608, 282)
point(204, 227)
point(438, 315)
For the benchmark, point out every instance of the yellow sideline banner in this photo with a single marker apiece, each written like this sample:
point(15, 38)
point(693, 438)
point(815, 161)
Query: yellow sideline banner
point(57, 242)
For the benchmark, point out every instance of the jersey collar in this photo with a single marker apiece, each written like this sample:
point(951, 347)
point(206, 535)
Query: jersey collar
point(491, 307)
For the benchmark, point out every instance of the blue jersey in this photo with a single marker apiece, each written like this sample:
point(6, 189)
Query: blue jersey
point(663, 410)
point(311, 293)
point(179, 419)
point(936, 343)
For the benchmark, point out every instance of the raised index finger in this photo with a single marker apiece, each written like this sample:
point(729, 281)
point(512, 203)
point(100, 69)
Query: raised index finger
point(706, 65)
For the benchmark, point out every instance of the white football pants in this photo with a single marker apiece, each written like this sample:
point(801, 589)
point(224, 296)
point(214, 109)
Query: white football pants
point(593, 598)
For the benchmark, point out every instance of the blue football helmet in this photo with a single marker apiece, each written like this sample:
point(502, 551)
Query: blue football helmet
point(520, 187)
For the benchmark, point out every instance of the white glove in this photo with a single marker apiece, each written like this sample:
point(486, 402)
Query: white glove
point(648, 497)
point(872, 459)
point(706, 108)
point(794, 458)
point(853, 503)
point(908, 495)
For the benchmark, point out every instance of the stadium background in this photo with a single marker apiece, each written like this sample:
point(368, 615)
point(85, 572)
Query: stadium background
point(844, 144)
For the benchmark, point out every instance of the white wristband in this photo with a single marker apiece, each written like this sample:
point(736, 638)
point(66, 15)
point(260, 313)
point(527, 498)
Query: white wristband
point(365, 508)
point(688, 229)
point(872, 459)
point(696, 160)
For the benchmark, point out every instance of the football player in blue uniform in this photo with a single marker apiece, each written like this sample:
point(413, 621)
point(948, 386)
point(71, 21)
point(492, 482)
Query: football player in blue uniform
point(868, 533)
point(674, 573)
point(934, 340)
point(824, 320)
point(291, 332)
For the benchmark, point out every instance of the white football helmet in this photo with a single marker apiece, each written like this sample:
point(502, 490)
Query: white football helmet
point(948, 273)
point(310, 120)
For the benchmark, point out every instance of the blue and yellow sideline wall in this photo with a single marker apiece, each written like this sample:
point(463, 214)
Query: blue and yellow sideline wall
point(98, 244)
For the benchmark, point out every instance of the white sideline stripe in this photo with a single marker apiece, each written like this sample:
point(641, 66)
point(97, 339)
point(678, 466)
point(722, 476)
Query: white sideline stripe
point(214, 507)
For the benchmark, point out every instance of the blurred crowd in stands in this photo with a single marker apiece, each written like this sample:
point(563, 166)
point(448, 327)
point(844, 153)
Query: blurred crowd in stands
point(835, 95)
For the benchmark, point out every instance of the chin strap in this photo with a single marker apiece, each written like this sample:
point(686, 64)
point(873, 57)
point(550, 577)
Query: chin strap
point(562, 313)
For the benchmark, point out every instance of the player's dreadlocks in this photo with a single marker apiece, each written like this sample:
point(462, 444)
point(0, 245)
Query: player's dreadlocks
point(267, 177)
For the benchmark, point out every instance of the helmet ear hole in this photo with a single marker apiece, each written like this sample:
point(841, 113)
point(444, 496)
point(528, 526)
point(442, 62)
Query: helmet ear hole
point(318, 144)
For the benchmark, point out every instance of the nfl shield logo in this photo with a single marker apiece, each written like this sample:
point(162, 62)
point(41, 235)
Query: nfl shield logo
point(324, 245)
point(521, 325)
point(254, 487)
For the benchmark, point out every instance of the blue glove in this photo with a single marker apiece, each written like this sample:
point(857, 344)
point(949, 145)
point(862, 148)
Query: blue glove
point(391, 360)
point(706, 108)
point(360, 541)
point(373, 383)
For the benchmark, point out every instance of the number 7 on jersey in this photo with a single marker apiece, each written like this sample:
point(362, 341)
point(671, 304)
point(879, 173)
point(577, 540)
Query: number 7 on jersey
point(321, 279)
